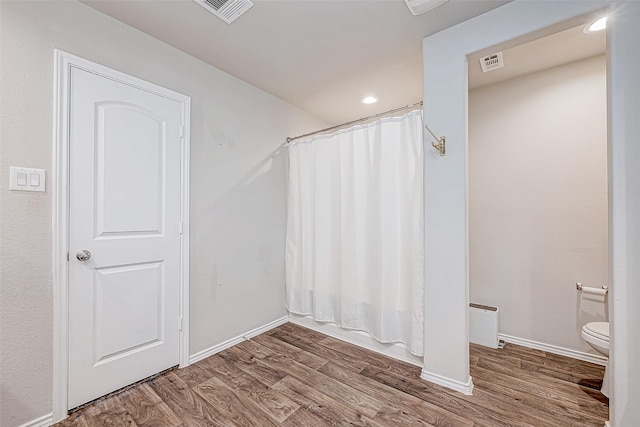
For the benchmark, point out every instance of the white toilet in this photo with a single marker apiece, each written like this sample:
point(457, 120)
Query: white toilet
point(596, 334)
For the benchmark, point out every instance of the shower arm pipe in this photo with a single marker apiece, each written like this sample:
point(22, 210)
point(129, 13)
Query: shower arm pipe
point(353, 122)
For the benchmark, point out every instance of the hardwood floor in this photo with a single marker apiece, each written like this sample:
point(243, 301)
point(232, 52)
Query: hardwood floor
point(293, 376)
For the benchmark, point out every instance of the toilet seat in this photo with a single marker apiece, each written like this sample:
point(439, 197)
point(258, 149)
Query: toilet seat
point(598, 330)
point(596, 334)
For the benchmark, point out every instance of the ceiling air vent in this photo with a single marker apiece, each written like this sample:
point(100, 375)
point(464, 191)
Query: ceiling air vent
point(421, 6)
point(227, 10)
point(491, 62)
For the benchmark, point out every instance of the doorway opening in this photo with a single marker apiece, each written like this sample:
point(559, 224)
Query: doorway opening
point(538, 201)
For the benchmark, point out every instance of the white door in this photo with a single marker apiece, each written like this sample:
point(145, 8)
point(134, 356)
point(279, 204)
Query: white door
point(124, 208)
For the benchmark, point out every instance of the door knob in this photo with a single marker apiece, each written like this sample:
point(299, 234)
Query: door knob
point(83, 255)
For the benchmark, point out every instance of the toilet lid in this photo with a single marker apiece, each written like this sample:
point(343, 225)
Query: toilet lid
point(599, 329)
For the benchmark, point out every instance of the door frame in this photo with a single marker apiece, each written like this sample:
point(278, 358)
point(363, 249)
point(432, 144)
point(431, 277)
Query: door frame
point(63, 62)
point(445, 83)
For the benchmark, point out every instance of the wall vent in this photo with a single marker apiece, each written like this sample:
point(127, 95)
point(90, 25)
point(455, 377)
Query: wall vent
point(227, 10)
point(492, 62)
point(421, 6)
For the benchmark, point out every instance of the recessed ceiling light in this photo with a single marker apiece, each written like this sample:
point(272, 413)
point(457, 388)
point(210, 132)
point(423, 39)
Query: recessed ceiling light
point(599, 25)
point(369, 100)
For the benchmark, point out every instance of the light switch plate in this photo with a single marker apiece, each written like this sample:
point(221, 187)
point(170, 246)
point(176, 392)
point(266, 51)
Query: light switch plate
point(26, 179)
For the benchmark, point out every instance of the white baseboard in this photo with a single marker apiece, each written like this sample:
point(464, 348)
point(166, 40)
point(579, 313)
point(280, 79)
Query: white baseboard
point(359, 338)
point(236, 340)
point(550, 348)
point(462, 387)
point(43, 421)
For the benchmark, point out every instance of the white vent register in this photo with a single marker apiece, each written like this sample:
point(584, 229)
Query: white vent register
point(227, 10)
point(492, 62)
point(418, 7)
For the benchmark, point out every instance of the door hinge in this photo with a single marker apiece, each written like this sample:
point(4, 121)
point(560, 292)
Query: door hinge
point(181, 131)
point(67, 256)
point(180, 227)
point(180, 324)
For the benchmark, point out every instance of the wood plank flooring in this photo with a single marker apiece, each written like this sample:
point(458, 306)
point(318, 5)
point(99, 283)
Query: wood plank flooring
point(293, 376)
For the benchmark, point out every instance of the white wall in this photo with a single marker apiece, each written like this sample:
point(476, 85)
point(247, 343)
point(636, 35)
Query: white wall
point(623, 36)
point(445, 108)
point(446, 356)
point(538, 200)
point(237, 197)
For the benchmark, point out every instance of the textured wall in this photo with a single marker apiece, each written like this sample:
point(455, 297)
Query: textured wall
point(538, 200)
point(623, 35)
point(237, 195)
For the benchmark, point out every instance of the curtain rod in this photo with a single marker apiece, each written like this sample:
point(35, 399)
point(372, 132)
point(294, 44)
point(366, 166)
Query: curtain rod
point(289, 139)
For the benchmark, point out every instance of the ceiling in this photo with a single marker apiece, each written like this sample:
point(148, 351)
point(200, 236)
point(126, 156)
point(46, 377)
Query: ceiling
point(323, 56)
point(554, 50)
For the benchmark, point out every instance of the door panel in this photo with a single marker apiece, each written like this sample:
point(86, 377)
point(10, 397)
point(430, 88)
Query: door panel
point(127, 298)
point(130, 169)
point(124, 207)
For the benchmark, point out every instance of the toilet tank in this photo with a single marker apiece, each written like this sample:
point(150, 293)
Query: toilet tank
point(483, 325)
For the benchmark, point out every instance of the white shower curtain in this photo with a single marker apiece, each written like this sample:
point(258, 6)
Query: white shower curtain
point(354, 252)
